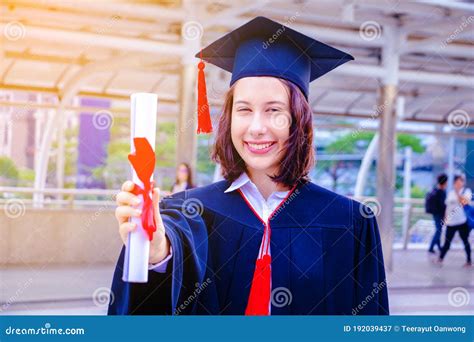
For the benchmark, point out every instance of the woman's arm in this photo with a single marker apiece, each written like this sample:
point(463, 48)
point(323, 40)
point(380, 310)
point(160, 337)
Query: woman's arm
point(164, 293)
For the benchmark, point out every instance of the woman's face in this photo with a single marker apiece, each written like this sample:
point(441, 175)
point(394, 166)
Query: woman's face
point(182, 173)
point(261, 121)
point(459, 184)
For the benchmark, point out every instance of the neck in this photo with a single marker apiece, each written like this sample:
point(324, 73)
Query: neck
point(264, 183)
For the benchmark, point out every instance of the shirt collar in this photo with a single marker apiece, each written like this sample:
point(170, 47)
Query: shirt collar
point(238, 183)
point(244, 180)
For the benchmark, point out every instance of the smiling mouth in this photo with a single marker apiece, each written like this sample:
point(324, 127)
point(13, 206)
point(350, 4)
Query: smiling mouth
point(260, 147)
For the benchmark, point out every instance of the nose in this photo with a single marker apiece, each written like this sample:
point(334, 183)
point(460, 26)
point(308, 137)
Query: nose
point(257, 125)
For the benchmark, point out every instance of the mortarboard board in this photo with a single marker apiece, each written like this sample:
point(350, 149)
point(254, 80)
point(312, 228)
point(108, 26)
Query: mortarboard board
point(263, 47)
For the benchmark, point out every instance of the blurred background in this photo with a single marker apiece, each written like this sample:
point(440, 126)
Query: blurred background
point(385, 126)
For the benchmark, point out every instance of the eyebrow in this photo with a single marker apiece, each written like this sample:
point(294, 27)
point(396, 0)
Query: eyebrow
point(267, 103)
point(276, 102)
point(241, 102)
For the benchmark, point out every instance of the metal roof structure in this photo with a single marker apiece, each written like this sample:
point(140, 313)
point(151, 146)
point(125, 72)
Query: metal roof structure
point(115, 48)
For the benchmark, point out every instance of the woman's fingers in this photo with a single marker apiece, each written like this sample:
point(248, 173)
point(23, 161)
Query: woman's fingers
point(125, 228)
point(127, 198)
point(124, 212)
point(128, 186)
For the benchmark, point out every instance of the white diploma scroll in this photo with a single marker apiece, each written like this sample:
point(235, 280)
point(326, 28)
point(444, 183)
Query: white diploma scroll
point(143, 124)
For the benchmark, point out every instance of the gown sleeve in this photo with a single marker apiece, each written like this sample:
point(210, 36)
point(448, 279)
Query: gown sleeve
point(371, 296)
point(166, 293)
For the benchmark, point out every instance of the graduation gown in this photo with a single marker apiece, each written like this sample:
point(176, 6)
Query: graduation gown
point(326, 257)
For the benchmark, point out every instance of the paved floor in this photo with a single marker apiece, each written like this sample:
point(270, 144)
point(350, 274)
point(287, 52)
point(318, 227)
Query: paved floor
point(416, 286)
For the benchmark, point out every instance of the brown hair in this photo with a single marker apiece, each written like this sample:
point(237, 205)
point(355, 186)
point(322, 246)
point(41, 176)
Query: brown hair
point(299, 153)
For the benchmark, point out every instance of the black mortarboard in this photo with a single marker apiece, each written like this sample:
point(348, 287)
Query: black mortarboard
point(263, 47)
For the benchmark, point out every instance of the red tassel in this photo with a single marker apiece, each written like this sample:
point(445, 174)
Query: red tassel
point(259, 298)
point(204, 116)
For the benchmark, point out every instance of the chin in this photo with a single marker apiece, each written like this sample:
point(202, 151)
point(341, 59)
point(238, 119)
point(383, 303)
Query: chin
point(259, 166)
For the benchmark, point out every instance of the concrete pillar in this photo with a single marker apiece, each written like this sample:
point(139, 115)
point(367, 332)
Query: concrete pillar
point(186, 148)
point(387, 139)
point(386, 170)
point(192, 32)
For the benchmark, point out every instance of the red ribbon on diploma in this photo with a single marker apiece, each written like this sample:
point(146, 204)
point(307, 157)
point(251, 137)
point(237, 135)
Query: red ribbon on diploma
point(143, 162)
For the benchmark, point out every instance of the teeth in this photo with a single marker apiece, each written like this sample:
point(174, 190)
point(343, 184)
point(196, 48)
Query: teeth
point(259, 146)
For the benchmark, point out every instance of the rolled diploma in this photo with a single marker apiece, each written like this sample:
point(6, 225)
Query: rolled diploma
point(143, 124)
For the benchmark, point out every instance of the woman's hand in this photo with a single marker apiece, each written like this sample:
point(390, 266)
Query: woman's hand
point(127, 207)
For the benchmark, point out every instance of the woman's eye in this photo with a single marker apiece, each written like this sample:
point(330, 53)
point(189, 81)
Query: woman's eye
point(275, 109)
point(243, 110)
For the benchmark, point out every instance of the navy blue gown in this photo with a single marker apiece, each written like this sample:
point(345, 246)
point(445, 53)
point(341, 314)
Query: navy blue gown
point(326, 257)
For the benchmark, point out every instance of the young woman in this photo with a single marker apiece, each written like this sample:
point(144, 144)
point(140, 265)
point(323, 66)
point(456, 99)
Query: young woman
point(184, 178)
point(265, 240)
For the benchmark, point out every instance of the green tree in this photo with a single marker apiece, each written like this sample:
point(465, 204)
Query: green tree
point(357, 142)
point(9, 172)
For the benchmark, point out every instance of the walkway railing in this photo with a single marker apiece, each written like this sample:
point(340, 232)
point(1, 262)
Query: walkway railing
point(413, 228)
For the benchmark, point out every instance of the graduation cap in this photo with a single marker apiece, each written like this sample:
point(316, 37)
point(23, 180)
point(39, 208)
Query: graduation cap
point(263, 47)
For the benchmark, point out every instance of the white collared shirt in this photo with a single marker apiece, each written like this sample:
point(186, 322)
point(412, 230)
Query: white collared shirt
point(261, 206)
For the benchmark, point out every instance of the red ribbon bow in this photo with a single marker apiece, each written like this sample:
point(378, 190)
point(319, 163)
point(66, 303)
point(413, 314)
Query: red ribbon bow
point(143, 162)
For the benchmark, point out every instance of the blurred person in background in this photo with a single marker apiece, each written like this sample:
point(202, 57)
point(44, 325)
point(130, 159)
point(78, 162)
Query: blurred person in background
point(456, 219)
point(184, 178)
point(435, 205)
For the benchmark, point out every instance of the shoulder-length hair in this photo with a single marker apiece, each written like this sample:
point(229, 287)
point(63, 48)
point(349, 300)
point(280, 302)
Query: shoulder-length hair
point(298, 157)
